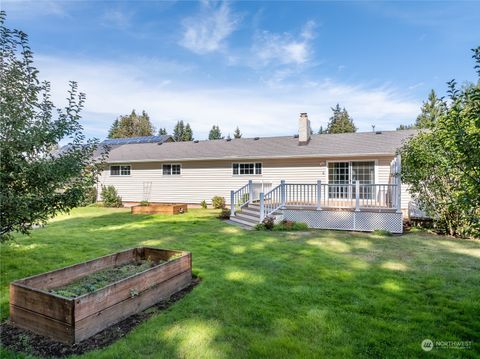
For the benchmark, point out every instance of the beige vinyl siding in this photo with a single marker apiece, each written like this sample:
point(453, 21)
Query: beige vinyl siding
point(201, 180)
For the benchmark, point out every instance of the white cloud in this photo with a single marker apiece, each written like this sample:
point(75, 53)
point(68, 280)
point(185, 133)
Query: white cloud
point(116, 19)
point(207, 31)
point(115, 88)
point(284, 49)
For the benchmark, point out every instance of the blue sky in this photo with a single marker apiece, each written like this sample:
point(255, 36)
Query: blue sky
point(252, 64)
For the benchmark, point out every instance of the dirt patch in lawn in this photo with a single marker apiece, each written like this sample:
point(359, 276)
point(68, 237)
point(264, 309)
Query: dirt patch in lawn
point(19, 340)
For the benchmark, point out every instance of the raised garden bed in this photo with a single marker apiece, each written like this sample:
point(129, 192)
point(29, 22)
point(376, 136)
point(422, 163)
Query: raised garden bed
point(73, 303)
point(165, 208)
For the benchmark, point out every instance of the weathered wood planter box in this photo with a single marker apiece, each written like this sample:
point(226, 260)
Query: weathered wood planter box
point(165, 208)
point(72, 320)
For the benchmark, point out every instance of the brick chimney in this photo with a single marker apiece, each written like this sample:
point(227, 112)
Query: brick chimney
point(304, 131)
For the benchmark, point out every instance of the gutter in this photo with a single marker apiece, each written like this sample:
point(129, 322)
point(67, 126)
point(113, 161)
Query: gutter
point(377, 154)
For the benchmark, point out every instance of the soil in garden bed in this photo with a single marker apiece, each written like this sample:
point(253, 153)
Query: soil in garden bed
point(102, 278)
point(19, 340)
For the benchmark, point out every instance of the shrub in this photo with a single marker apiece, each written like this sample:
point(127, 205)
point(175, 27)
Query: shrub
point(218, 202)
point(268, 222)
point(224, 213)
point(90, 196)
point(286, 225)
point(382, 232)
point(110, 197)
point(144, 203)
point(203, 204)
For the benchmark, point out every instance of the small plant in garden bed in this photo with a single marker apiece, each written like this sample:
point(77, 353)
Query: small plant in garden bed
point(144, 203)
point(100, 279)
point(203, 204)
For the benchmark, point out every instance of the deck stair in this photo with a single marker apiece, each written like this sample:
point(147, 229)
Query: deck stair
point(249, 215)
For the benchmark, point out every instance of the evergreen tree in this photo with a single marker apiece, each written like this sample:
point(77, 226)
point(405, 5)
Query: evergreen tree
point(237, 133)
point(340, 122)
point(321, 130)
point(162, 132)
point(132, 125)
point(215, 133)
point(187, 133)
point(178, 131)
point(430, 112)
point(405, 127)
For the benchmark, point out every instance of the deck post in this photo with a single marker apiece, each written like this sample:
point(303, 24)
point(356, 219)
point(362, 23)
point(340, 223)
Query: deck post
point(357, 196)
point(250, 191)
point(232, 203)
point(283, 193)
point(399, 183)
point(319, 195)
point(262, 206)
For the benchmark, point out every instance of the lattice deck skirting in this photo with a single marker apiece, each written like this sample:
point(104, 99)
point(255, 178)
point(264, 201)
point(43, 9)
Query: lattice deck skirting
point(366, 221)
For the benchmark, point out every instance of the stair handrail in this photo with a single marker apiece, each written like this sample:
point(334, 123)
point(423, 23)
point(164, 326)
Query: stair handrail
point(237, 197)
point(272, 201)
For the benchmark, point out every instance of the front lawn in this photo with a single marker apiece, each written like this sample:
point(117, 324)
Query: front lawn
point(274, 294)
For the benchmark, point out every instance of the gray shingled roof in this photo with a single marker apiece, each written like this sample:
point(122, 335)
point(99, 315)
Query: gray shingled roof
point(325, 145)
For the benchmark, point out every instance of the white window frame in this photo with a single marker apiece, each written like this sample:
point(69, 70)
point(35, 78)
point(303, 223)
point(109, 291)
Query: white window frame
point(171, 174)
point(120, 169)
point(248, 163)
point(375, 172)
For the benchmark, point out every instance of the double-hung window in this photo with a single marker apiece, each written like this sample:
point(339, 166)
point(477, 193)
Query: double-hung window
point(123, 170)
point(171, 169)
point(343, 175)
point(247, 168)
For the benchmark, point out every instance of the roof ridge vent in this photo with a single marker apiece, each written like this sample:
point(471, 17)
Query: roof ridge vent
point(295, 135)
point(256, 138)
point(196, 141)
point(378, 132)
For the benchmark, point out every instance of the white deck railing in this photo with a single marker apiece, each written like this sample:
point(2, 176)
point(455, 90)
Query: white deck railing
point(328, 196)
point(321, 196)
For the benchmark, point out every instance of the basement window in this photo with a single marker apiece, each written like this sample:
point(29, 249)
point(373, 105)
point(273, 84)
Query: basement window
point(120, 170)
point(247, 169)
point(172, 170)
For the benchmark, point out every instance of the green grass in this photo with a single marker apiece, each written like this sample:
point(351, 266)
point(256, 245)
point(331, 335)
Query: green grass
point(276, 294)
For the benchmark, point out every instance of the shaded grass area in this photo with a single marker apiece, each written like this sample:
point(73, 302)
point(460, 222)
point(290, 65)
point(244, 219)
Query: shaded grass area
point(276, 294)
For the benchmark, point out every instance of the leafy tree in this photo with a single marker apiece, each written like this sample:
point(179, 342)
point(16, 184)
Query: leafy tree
point(237, 133)
point(36, 182)
point(215, 133)
point(187, 133)
point(131, 125)
point(162, 131)
point(178, 131)
point(442, 164)
point(340, 122)
point(430, 112)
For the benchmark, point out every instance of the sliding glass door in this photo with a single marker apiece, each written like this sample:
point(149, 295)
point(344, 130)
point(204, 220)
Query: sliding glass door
point(342, 175)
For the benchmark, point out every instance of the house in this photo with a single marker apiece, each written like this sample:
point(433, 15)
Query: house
point(341, 181)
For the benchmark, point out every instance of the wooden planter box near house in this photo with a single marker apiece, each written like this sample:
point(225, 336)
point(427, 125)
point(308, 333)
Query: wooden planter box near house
point(164, 208)
point(72, 320)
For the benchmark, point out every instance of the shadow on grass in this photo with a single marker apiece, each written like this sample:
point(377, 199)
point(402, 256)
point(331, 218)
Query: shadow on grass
point(266, 294)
